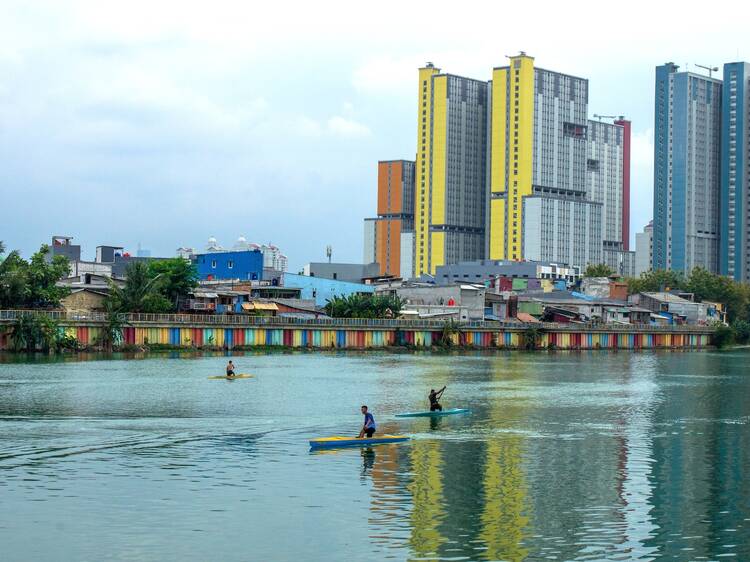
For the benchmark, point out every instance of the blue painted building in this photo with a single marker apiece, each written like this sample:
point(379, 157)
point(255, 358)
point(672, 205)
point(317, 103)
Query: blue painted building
point(322, 289)
point(734, 259)
point(246, 265)
point(687, 150)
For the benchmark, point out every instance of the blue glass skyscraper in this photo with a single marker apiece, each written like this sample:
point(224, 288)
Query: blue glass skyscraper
point(687, 151)
point(735, 237)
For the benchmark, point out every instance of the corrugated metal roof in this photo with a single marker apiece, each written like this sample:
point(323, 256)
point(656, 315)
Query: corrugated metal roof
point(259, 306)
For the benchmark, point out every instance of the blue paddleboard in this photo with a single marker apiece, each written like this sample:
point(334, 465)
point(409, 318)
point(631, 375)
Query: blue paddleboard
point(436, 413)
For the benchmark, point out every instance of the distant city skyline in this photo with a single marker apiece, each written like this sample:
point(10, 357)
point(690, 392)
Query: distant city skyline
point(166, 124)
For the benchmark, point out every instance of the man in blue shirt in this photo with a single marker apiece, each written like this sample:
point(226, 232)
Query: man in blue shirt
point(369, 427)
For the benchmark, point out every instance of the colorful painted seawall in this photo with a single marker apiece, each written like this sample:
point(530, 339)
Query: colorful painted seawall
point(193, 331)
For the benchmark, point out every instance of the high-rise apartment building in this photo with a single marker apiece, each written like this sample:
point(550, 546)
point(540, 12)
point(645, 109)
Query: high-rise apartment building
point(687, 148)
point(539, 207)
point(644, 249)
point(608, 178)
point(449, 205)
point(383, 235)
point(735, 173)
point(608, 183)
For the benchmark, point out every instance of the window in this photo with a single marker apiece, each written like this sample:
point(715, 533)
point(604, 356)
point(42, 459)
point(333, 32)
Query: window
point(213, 264)
point(574, 130)
point(230, 264)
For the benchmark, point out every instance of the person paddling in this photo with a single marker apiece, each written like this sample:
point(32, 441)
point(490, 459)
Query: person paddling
point(434, 397)
point(369, 427)
point(230, 369)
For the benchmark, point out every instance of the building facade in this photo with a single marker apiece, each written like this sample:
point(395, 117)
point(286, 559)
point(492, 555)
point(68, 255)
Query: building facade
point(608, 179)
point(735, 173)
point(539, 207)
point(351, 272)
point(245, 265)
point(562, 230)
point(383, 234)
point(449, 205)
point(644, 249)
point(687, 148)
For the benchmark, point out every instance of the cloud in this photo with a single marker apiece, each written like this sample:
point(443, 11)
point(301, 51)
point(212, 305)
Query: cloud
point(347, 127)
point(387, 75)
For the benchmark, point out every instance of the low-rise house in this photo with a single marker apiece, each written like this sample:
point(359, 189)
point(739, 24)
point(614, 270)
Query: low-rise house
point(462, 302)
point(677, 308)
point(321, 289)
point(214, 300)
point(87, 292)
point(298, 308)
point(244, 265)
point(605, 288)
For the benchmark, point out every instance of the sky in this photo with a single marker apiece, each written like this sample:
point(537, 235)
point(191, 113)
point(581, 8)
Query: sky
point(162, 123)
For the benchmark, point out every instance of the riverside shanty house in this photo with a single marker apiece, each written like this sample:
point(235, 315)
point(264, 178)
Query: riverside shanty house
point(88, 291)
point(672, 308)
point(563, 307)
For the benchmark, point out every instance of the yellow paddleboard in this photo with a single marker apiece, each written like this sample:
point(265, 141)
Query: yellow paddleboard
point(228, 378)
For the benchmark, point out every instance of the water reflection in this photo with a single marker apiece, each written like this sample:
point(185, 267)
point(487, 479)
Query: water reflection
point(426, 488)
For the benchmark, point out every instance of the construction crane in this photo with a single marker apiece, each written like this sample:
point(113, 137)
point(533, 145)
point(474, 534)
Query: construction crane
point(711, 69)
point(600, 117)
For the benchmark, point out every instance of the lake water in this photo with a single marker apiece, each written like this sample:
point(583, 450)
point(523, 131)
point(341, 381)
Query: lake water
point(567, 456)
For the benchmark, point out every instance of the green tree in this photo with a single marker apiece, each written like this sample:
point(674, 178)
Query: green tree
point(723, 336)
point(177, 277)
point(657, 280)
point(43, 275)
point(707, 286)
point(741, 330)
point(32, 332)
point(140, 293)
point(598, 270)
point(32, 284)
point(364, 306)
point(14, 290)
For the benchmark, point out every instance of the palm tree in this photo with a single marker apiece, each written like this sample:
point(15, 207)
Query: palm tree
point(140, 292)
point(112, 331)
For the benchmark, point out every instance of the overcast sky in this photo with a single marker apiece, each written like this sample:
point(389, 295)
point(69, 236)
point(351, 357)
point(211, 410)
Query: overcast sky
point(165, 123)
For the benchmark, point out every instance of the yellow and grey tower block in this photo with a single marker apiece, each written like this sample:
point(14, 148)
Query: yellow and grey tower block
point(451, 164)
point(512, 137)
point(538, 205)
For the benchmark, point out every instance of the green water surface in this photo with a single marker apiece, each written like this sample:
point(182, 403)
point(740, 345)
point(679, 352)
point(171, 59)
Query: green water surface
point(566, 456)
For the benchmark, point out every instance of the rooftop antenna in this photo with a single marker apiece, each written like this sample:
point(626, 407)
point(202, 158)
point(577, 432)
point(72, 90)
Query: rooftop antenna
point(329, 253)
point(711, 69)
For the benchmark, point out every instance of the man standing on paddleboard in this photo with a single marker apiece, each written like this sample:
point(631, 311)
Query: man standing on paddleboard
point(369, 427)
point(434, 397)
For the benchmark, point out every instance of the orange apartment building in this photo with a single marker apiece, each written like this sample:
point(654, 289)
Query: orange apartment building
point(389, 237)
